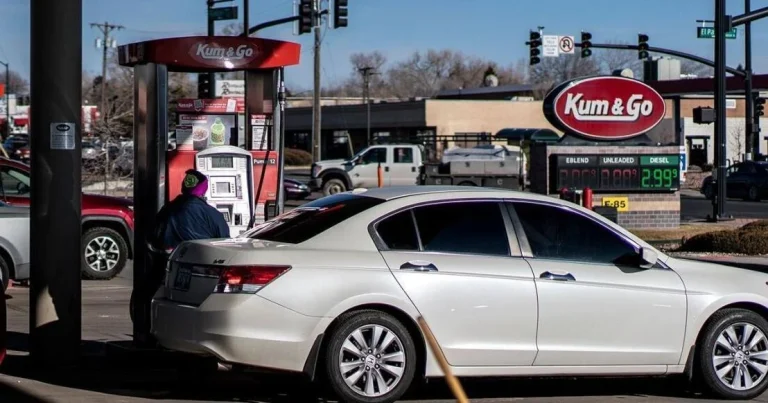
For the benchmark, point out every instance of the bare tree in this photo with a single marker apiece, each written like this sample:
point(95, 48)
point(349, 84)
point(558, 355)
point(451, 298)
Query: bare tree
point(737, 139)
point(554, 70)
point(17, 85)
point(610, 60)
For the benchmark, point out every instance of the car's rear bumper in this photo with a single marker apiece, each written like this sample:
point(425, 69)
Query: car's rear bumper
point(241, 329)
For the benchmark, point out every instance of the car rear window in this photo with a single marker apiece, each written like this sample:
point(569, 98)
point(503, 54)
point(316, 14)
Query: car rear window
point(311, 219)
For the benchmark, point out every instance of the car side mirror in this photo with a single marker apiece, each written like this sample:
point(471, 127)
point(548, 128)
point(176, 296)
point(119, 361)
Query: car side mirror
point(648, 258)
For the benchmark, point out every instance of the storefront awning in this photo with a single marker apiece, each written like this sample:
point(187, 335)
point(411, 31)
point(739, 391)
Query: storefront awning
point(543, 135)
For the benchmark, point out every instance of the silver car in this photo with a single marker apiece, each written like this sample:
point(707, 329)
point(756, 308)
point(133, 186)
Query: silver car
point(14, 244)
point(511, 284)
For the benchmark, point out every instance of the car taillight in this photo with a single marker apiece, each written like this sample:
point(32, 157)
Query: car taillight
point(247, 279)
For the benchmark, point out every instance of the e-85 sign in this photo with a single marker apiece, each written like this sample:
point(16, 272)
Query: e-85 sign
point(619, 203)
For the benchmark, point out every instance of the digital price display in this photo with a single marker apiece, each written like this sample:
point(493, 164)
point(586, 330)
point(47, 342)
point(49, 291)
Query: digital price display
point(616, 173)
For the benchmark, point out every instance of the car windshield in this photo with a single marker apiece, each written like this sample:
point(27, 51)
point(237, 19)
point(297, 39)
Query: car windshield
point(306, 222)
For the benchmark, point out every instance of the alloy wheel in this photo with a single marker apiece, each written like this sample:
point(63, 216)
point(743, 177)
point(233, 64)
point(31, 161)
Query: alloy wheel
point(102, 253)
point(372, 360)
point(740, 356)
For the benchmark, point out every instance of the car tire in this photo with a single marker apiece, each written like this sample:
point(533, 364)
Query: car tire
point(401, 353)
point(753, 194)
point(721, 360)
point(5, 274)
point(333, 186)
point(106, 265)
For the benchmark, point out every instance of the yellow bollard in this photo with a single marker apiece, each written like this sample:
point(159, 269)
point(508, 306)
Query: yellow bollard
point(453, 382)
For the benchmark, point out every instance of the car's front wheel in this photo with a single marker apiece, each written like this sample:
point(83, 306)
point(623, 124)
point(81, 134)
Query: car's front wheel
point(733, 356)
point(333, 186)
point(104, 253)
point(371, 358)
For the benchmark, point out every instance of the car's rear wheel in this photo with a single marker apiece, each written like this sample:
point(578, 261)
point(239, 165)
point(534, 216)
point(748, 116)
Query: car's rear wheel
point(733, 356)
point(753, 194)
point(104, 253)
point(370, 358)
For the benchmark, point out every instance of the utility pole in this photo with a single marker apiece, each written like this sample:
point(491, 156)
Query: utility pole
point(367, 72)
point(316, 118)
point(8, 100)
point(106, 28)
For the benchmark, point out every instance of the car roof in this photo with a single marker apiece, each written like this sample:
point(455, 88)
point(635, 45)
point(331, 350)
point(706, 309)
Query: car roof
point(396, 192)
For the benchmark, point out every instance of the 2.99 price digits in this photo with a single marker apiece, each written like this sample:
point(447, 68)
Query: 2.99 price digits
point(658, 177)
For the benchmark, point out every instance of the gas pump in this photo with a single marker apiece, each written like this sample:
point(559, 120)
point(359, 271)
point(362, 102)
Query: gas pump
point(230, 184)
point(157, 181)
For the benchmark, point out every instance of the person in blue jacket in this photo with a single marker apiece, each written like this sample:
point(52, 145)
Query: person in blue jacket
point(189, 217)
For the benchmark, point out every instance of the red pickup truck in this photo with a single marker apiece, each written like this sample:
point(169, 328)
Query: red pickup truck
point(107, 222)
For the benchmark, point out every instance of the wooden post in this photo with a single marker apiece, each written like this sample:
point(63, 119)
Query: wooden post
point(453, 382)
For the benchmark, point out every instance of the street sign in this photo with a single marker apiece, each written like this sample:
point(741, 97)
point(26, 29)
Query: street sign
point(550, 45)
point(223, 13)
point(709, 33)
point(565, 45)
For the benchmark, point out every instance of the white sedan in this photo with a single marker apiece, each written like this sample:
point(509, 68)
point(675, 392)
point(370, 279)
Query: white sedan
point(511, 284)
point(14, 244)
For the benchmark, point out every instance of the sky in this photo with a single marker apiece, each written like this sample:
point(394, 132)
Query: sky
point(490, 29)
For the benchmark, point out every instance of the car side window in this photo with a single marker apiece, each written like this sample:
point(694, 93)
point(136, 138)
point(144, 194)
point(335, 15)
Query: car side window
point(403, 155)
point(398, 232)
point(14, 182)
point(375, 156)
point(559, 234)
point(463, 227)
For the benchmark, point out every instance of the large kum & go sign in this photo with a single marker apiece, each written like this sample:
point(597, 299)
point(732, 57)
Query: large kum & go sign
point(604, 108)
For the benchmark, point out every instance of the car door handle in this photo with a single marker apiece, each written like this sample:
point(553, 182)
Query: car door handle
point(413, 169)
point(386, 169)
point(418, 265)
point(557, 277)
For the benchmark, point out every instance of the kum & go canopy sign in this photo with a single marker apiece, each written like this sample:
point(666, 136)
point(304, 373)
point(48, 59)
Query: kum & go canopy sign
point(604, 108)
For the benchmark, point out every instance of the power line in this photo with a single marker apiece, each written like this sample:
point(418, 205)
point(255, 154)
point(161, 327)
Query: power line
point(106, 42)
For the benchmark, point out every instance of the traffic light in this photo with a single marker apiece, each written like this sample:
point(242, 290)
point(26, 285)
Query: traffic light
point(759, 107)
point(642, 46)
point(586, 44)
point(534, 43)
point(203, 86)
point(306, 16)
point(340, 13)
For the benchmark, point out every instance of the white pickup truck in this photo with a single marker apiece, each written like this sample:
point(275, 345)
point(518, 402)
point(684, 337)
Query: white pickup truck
point(400, 163)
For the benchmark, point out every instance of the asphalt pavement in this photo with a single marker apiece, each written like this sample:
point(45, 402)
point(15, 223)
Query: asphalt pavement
point(105, 319)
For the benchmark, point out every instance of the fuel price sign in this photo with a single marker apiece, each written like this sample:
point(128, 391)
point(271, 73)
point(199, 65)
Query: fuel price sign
point(616, 173)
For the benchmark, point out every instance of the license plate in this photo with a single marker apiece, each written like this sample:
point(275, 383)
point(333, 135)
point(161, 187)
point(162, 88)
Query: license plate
point(183, 279)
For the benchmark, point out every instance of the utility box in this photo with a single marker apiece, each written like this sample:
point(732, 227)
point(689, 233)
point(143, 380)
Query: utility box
point(703, 115)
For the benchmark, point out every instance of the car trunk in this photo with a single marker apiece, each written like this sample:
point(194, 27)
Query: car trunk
point(195, 269)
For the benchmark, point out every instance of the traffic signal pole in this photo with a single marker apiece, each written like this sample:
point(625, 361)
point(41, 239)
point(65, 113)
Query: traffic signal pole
point(721, 27)
point(211, 32)
point(752, 137)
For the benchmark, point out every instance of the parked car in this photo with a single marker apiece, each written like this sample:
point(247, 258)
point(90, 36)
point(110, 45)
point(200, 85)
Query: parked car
point(14, 244)
point(510, 283)
point(107, 223)
point(295, 190)
point(3, 327)
point(746, 180)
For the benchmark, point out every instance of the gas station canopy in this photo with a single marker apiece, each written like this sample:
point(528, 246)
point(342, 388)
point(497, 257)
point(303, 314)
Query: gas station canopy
point(211, 53)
